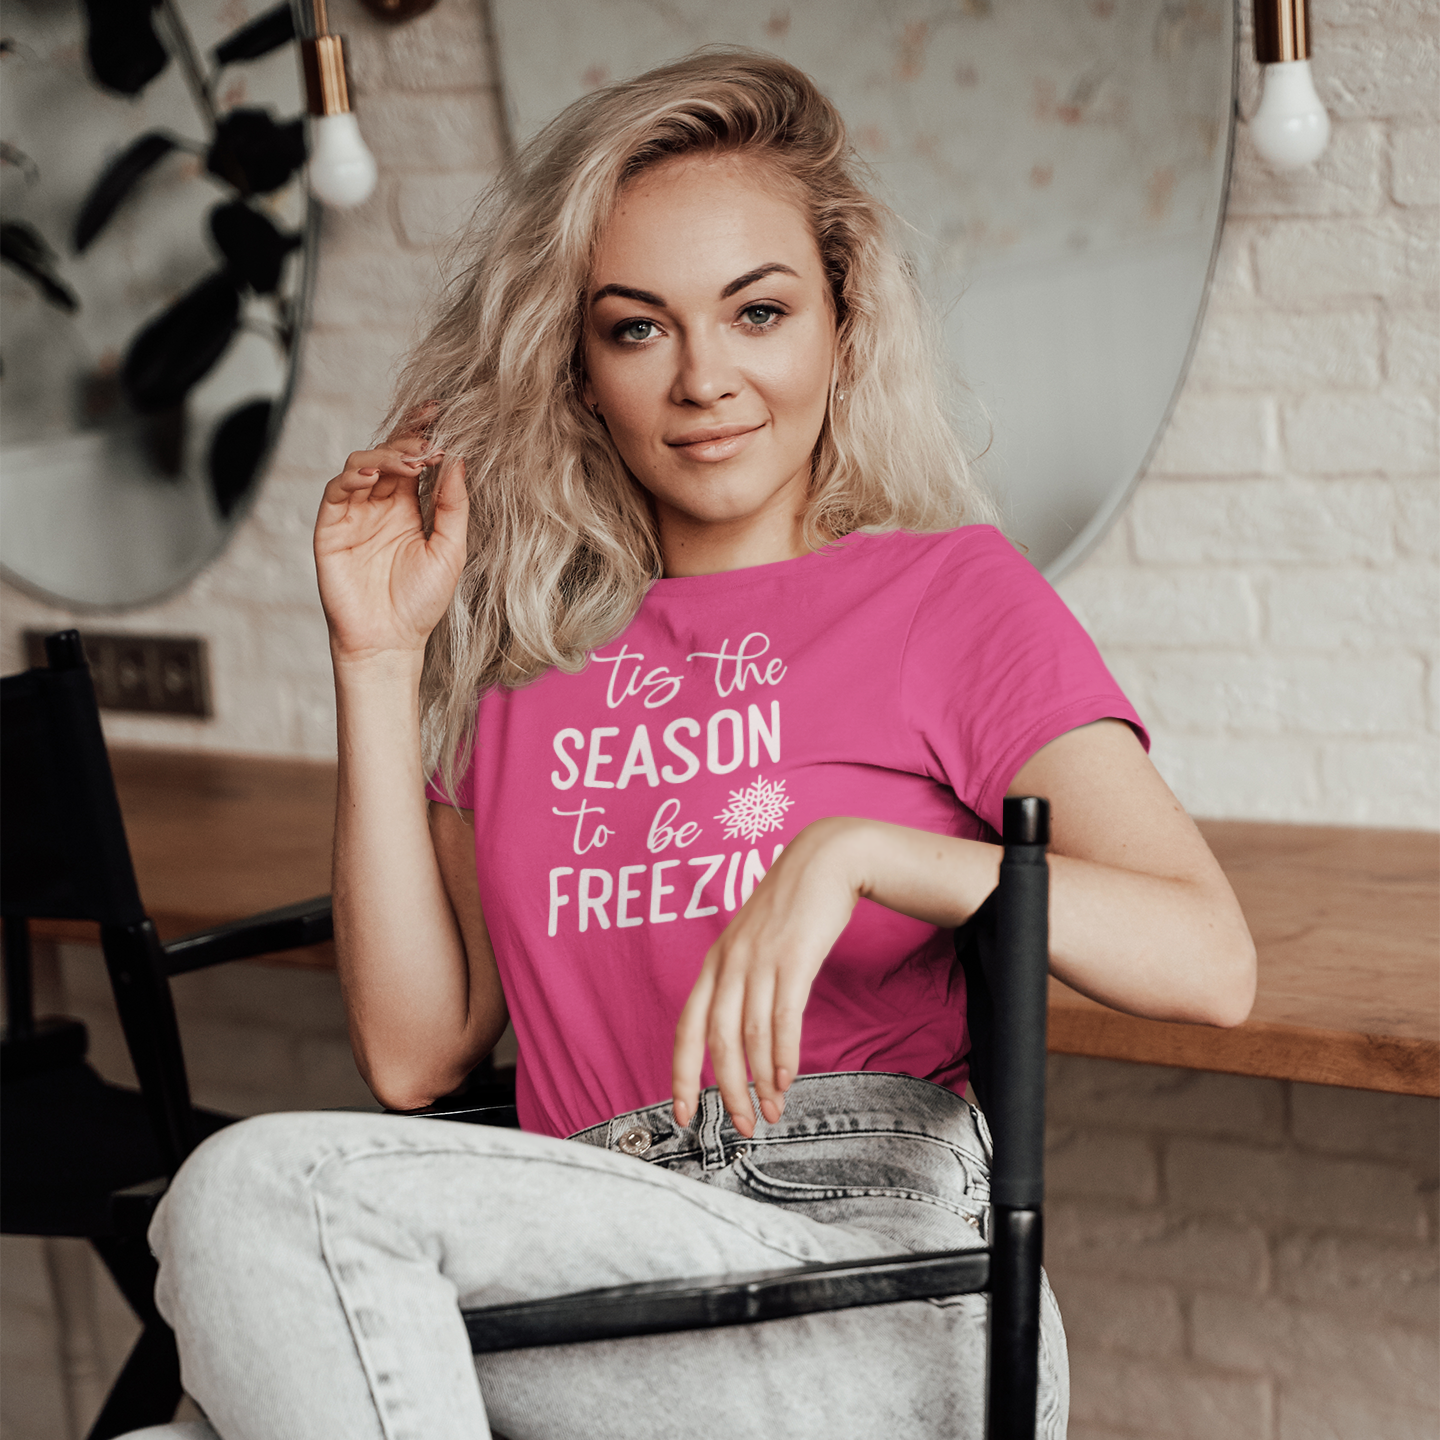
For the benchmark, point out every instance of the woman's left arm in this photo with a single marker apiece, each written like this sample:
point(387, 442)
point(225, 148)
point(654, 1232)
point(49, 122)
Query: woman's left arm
point(1141, 916)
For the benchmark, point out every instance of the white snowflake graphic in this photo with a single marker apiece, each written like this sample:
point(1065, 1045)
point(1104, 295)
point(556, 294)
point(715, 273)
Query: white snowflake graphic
point(756, 809)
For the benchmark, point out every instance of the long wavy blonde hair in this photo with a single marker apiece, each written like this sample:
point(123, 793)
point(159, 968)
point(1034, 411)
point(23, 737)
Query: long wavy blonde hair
point(562, 539)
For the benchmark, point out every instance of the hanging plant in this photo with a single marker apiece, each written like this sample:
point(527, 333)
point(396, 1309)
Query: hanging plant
point(178, 348)
point(22, 247)
point(235, 451)
point(25, 251)
point(247, 150)
point(124, 52)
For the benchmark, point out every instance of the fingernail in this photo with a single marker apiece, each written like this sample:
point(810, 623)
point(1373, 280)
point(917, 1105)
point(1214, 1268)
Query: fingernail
point(782, 1080)
point(367, 472)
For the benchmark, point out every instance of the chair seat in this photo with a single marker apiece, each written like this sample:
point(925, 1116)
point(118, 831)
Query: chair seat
point(68, 1141)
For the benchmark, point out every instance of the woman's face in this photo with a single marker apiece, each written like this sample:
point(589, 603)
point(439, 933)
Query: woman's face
point(709, 347)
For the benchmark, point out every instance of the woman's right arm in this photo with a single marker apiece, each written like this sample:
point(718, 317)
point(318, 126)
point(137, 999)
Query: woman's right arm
point(421, 991)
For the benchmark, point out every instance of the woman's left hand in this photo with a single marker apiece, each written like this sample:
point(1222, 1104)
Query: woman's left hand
point(748, 1003)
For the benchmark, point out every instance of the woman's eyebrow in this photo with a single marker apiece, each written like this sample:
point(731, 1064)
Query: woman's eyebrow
point(628, 292)
point(648, 297)
point(751, 276)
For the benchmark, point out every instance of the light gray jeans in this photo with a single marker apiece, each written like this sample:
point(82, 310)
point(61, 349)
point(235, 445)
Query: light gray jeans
point(314, 1267)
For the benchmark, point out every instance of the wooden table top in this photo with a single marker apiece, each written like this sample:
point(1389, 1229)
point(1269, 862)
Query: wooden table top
point(1346, 924)
point(1346, 921)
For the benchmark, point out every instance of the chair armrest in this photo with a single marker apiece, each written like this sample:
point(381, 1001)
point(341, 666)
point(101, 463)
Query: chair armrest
point(289, 928)
point(469, 1114)
point(662, 1306)
point(132, 1209)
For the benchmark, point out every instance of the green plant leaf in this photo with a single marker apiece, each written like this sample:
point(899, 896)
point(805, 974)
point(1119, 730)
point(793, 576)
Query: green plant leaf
point(115, 182)
point(178, 348)
point(253, 153)
point(124, 52)
point(253, 248)
point(23, 249)
point(235, 451)
point(263, 34)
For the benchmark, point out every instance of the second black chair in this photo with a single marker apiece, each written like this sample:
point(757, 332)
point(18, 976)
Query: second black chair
point(78, 1156)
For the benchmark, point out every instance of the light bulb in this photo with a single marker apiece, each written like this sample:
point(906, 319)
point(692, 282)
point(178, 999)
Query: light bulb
point(342, 170)
point(1291, 128)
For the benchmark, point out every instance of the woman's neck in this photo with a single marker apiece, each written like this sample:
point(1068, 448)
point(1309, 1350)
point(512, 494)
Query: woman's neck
point(689, 546)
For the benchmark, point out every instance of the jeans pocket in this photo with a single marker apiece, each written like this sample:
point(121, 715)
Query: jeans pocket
point(917, 1192)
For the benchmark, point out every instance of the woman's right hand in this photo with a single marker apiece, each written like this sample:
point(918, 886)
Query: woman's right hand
point(385, 584)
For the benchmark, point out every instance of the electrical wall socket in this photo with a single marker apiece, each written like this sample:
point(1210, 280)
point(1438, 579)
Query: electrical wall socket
point(147, 674)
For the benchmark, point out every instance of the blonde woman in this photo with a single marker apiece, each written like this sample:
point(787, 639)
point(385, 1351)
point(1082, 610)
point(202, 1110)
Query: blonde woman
point(719, 686)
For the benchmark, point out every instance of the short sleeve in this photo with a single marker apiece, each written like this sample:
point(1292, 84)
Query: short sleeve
point(464, 784)
point(996, 667)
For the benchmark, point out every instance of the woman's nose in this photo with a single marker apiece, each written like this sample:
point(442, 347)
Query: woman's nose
point(707, 373)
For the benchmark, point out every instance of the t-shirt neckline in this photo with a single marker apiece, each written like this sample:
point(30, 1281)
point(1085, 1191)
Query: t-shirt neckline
point(750, 575)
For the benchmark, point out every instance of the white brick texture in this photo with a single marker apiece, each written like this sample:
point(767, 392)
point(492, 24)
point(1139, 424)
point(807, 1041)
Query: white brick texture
point(1415, 165)
point(1347, 180)
point(1291, 516)
point(1335, 349)
point(1325, 314)
point(1292, 1233)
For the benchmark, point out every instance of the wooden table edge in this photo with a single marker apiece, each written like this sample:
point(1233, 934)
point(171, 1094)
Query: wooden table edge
point(1395, 1064)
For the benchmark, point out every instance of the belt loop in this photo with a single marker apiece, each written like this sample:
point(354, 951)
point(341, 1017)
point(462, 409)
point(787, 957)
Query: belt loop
point(712, 1117)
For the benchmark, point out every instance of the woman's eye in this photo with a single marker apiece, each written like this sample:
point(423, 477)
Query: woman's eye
point(636, 330)
point(759, 317)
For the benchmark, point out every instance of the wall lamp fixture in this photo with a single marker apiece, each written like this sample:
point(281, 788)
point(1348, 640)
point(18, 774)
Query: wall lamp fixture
point(342, 170)
point(1291, 128)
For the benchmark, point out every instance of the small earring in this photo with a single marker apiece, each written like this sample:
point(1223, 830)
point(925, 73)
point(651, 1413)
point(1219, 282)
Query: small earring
point(595, 411)
point(839, 397)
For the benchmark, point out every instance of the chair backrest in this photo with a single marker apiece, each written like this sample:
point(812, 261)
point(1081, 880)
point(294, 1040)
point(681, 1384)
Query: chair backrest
point(1005, 1002)
point(63, 853)
point(65, 857)
point(979, 1005)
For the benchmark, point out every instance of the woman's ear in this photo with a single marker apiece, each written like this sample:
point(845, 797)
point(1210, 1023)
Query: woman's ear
point(587, 392)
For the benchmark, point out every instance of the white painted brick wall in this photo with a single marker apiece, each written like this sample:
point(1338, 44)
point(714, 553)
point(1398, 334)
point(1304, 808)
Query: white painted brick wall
point(1302, 471)
point(1271, 592)
point(1243, 1258)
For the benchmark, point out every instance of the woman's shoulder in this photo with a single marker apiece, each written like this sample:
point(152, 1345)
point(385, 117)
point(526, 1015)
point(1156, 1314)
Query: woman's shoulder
point(925, 556)
point(976, 582)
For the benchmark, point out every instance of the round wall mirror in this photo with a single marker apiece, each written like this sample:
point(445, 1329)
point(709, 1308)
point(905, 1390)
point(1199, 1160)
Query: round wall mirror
point(157, 244)
point(1063, 166)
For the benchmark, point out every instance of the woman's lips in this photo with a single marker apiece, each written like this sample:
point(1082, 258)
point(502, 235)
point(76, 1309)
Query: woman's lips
point(718, 442)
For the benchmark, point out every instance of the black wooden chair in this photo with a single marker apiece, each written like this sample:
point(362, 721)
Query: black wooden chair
point(80, 1157)
point(65, 856)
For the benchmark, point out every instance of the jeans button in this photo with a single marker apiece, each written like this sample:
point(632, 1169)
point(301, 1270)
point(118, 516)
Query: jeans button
point(634, 1142)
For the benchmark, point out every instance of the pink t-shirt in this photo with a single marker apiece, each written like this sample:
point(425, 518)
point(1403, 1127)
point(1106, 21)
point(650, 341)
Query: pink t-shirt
point(622, 815)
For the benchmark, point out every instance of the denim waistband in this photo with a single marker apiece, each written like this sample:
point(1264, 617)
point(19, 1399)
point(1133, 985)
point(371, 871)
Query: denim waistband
point(855, 1103)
